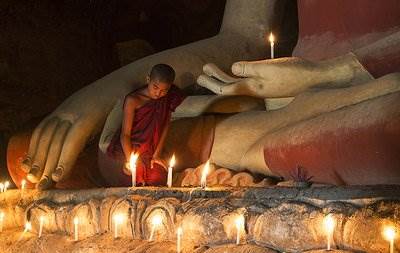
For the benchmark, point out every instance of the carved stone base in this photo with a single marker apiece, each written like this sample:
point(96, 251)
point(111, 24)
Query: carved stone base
point(277, 219)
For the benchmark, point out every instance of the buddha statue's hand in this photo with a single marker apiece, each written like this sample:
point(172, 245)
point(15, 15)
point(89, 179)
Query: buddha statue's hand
point(282, 77)
point(57, 141)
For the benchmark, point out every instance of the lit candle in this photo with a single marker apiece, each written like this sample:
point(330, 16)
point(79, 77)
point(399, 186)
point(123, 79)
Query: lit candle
point(41, 223)
point(1, 187)
point(239, 227)
point(6, 185)
point(23, 184)
point(329, 223)
point(1, 221)
point(28, 227)
point(390, 235)
point(155, 222)
point(271, 41)
point(179, 234)
point(76, 232)
point(118, 220)
point(171, 165)
point(132, 167)
point(203, 182)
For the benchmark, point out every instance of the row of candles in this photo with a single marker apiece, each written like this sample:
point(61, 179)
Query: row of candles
point(132, 166)
point(118, 219)
point(329, 223)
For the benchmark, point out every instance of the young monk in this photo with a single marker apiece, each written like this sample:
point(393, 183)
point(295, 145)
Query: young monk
point(146, 119)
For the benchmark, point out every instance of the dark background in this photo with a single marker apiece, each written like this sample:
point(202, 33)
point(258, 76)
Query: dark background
point(51, 48)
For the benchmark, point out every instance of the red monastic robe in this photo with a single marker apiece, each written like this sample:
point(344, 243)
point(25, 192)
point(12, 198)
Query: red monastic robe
point(147, 127)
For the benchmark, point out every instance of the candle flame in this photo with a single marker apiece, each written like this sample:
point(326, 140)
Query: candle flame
point(271, 38)
point(156, 220)
point(180, 231)
point(389, 233)
point(28, 226)
point(41, 219)
point(1, 187)
point(23, 183)
point(119, 218)
point(206, 168)
point(132, 160)
point(239, 221)
point(329, 223)
point(76, 221)
point(1, 216)
point(6, 185)
point(172, 161)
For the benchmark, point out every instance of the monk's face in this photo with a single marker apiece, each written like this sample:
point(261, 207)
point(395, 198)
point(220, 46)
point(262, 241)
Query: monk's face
point(158, 89)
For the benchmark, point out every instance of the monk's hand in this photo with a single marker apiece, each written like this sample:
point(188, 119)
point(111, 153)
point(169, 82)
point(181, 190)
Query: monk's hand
point(127, 169)
point(159, 161)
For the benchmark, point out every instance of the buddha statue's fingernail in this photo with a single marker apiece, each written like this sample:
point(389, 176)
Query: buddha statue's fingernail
point(238, 68)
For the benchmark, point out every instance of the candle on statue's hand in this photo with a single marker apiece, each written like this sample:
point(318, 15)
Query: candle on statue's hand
point(203, 181)
point(171, 166)
point(132, 167)
point(390, 235)
point(329, 223)
point(272, 43)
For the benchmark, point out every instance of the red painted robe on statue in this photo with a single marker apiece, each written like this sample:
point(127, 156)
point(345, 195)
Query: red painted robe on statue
point(147, 128)
point(361, 154)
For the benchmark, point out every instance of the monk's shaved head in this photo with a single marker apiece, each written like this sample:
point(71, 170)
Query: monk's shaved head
point(162, 73)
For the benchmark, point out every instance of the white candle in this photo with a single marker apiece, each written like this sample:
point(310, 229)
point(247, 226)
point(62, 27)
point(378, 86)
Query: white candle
point(271, 41)
point(155, 222)
point(171, 165)
point(179, 234)
point(390, 235)
point(1, 221)
point(6, 185)
point(118, 220)
point(41, 223)
point(28, 227)
point(76, 232)
point(132, 167)
point(329, 223)
point(203, 182)
point(239, 222)
point(23, 184)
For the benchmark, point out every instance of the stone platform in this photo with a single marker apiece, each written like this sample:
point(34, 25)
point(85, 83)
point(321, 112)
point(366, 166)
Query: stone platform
point(277, 219)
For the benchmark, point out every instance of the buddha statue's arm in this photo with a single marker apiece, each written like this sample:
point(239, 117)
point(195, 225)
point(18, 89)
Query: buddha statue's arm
point(287, 77)
point(60, 137)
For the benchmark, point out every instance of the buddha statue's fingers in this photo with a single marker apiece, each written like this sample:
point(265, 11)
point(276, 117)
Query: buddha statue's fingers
point(72, 145)
point(53, 156)
point(43, 148)
point(27, 162)
point(213, 70)
point(250, 68)
point(211, 83)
